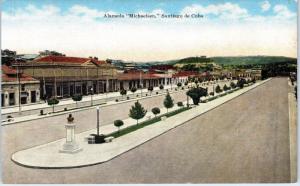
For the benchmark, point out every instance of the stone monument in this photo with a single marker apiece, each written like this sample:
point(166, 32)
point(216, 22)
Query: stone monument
point(70, 145)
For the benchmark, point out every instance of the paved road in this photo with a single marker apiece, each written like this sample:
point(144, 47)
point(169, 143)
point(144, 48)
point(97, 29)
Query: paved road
point(244, 140)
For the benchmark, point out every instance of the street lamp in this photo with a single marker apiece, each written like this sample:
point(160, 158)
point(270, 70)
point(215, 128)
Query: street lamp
point(92, 96)
point(98, 108)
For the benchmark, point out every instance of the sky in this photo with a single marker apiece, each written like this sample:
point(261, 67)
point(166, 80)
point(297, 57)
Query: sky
point(79, 28)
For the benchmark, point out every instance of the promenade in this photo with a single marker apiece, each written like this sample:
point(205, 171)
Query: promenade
point(48, 155)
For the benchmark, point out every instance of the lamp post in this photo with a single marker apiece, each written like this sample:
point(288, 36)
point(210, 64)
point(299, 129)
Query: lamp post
point(92, 96)
point(98, 108)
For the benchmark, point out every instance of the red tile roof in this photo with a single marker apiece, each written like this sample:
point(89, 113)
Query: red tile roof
point(10, 75)
point(136, 76)
point(8, 70)
point(185, 73)
point(68, 60)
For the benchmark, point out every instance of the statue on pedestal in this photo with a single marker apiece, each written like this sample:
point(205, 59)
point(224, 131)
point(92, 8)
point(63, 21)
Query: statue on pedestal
point(70, 145)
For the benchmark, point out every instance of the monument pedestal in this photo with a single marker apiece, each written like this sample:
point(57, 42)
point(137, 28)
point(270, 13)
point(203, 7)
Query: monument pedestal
point(70, 145)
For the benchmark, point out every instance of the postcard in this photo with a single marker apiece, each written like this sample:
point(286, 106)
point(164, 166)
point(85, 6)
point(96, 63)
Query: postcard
point(149, 92)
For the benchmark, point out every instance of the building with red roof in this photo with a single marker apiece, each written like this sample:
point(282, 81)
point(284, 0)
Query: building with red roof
point(18, 87)
point(64, 76)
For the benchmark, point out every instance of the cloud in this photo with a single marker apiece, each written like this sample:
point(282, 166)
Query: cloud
point(265, 6)
point(283, 12)
point(224, 11)
point(79, 31)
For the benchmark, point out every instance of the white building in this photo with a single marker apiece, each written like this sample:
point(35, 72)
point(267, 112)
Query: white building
point(16, 83)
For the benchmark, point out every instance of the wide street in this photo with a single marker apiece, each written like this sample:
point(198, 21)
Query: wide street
point(244, 140)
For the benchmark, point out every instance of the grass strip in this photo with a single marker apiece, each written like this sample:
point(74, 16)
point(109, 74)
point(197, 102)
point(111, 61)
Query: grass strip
point(146, 123)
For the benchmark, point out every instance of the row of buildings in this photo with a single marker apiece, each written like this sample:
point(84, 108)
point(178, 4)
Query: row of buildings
point(62, 77)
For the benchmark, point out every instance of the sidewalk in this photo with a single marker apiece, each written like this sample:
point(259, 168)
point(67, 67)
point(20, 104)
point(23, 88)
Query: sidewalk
point(35, 114)
point(48, 156)
point(69, 101)
point(86, 100)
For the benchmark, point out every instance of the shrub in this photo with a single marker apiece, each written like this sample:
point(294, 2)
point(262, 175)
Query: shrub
point(168, 102)
point(123, 92)
point(196, 94)
point(116, 100)
point(137, 112)
point(41, 112)
point(53, 101)
point(179, 104)
point(118, 123)
point(179, 84)
point(182, 88)
point(156, 92)
point(77, 98)
point(212, 93)
point(155, 111)
point(186, 83)
point(65, 109)
point(133, 89)
point(161, 87)
point(218, 89)
point(241, 83)
point(225, 88)
point(128, 97)
point(232, 85)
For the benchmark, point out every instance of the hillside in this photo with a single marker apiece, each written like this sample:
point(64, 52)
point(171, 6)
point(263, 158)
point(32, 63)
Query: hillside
point(252, 60)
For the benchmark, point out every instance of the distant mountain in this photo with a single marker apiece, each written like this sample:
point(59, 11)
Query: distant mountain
point(226, 60)
point(252, 60)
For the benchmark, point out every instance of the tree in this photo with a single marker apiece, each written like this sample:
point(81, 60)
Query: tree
point(123, 92)
point(137, 112)
point(196, 94)
point(155, 111)
point(225, 88)
point(179, 84)
point(218, 89)
point(233, 85)
point(241, 83)
point(77, 98)
point(133, 90)
point(168, 102)
point(150, 88)
point(118, 123)
point(53, 101)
